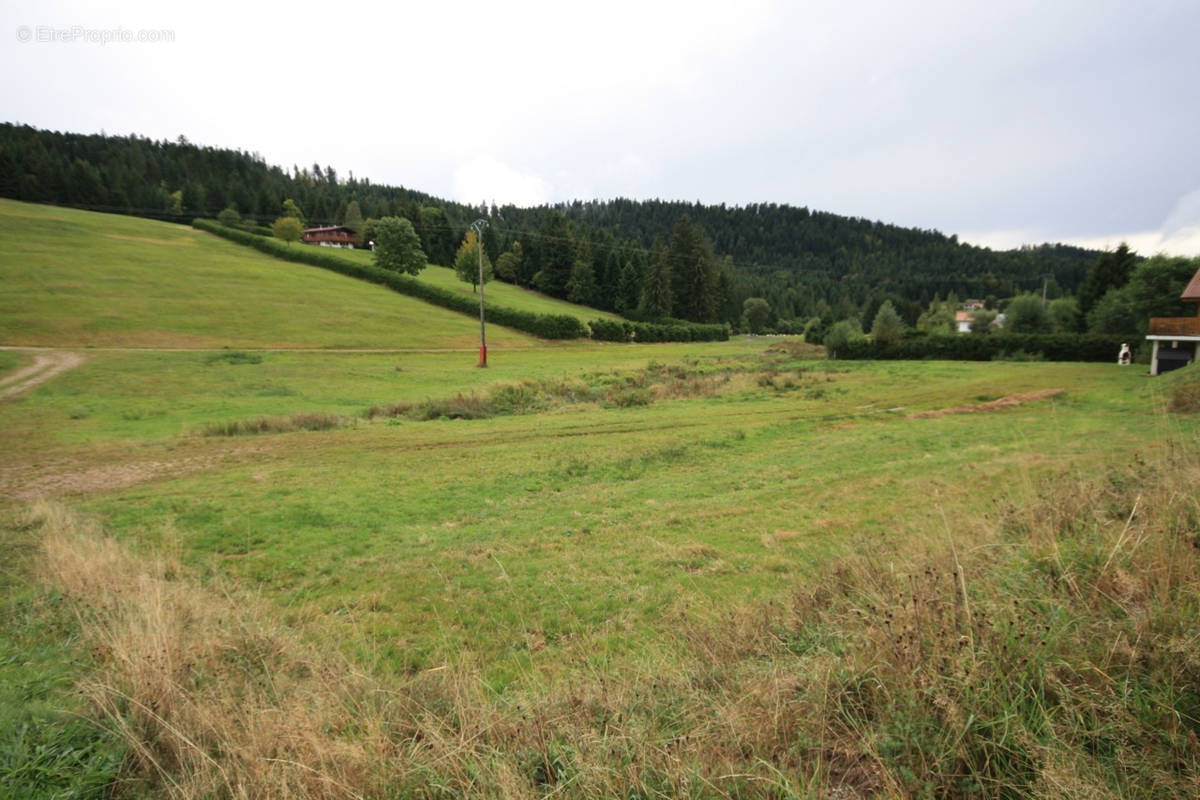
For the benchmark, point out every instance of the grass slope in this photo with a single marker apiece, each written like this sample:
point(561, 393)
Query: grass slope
point(497, 292)
point(73, 278)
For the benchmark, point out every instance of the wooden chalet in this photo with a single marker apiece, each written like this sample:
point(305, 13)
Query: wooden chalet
point(1176, 340)
point(330, 236)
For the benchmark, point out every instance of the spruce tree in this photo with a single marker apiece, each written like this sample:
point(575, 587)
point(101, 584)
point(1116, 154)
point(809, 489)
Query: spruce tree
point(887, 327)
point(693, 273)
point(656, 290)
point(629, 288)
point(581, 287)
point(556, 255)
point(353, 218)
point(1111, 271)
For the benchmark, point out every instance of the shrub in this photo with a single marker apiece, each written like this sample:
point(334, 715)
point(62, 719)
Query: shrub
point(607, 330)
point(677, 331)
point(545, 326)
point(957, 347)
point(628, 397)
point(307, 421)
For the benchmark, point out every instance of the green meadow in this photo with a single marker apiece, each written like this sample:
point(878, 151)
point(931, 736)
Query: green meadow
point(734, 569)
point(80, 279)
point(497, 292)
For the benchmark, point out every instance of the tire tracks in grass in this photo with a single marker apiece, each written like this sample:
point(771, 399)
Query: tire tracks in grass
point(46, 365)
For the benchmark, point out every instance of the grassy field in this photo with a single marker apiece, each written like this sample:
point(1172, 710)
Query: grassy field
point(79, 279)
point(687, 570)
point(498, 292)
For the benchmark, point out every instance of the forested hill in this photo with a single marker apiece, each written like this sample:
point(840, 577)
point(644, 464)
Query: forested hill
point(803, 262)
point(785, 250)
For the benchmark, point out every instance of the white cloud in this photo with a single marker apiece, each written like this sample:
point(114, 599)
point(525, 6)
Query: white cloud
point(1181, 242)
point(486, 179)
point(1021, 120)
point(1179, 234)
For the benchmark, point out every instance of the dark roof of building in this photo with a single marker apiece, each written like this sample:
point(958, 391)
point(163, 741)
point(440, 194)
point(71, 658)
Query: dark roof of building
point(329, 229)
point(1192, 291)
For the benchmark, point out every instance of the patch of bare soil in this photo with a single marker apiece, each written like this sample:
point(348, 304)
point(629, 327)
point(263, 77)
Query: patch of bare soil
point(1008, 401)
point(44, 367)
point(67, 478)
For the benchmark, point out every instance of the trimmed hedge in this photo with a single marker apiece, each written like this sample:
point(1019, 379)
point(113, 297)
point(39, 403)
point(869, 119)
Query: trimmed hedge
point(545, 326)
point(993, 346)
point(607, 330)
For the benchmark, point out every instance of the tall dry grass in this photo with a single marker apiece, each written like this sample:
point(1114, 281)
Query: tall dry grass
point(1043, 647)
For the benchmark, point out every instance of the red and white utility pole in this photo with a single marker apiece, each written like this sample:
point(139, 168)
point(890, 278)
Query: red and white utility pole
point(478, 226)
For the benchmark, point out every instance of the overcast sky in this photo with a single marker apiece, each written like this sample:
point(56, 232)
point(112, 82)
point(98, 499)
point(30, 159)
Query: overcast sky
point(1004, 122)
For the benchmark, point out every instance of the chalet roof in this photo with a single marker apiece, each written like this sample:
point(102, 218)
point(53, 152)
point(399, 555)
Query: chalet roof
point(962, 316)
point(1192, 291)
point(329, 229)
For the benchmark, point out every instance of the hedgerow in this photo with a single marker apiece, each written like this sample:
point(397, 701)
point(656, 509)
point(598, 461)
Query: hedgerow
point(668, 331)
point(545, 326)
point(990, 347)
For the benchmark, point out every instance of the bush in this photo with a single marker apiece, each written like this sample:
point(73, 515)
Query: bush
point(545, 326)
point(645, 328)
point(308, 421)
point(607, 330)
point(957, 347)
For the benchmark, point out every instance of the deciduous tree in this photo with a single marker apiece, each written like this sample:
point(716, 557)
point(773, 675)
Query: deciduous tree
point(466, 262)
point(1064, 315)
point(397, 246)
point(1025, 314)
point(757, 311)
point(841, 334)
point(508, 265)
point(290, 209)
point(230, 218)
point(288, 229)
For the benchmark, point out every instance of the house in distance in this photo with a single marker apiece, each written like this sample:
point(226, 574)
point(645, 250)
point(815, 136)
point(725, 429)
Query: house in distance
point(1176, 340)
point(330, 236)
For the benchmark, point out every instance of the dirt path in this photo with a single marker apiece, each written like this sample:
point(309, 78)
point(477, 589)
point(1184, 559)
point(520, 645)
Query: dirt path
point(1009, 401)
point(46, 365)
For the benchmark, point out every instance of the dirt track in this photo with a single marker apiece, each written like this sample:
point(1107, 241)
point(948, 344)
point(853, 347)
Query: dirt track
point(1008, 401)
point(46, 365)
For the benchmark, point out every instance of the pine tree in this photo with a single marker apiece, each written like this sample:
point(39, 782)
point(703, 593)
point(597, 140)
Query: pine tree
point(1111, 271)
point(581, 287)
point(693, 273)
point(629, 288)
point(353, 218)
point(555, 255)
point(656, 290)
point(887, 327)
